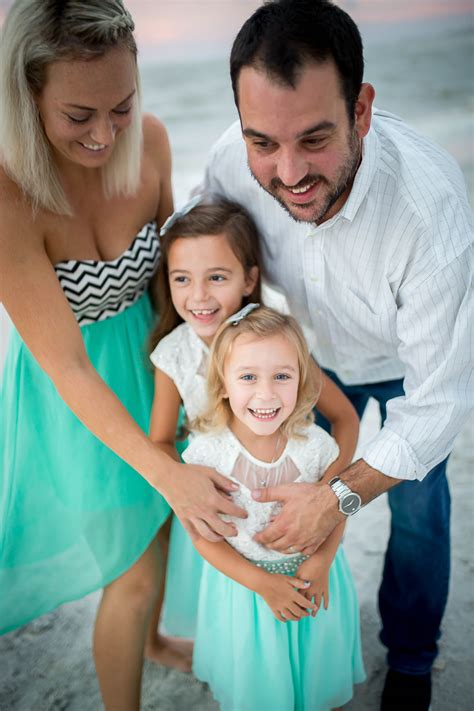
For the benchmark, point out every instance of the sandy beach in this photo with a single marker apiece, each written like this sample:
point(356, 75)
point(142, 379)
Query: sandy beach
point(47, 665)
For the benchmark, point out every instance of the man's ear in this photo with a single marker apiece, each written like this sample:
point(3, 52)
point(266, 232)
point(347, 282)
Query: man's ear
point(363, 109)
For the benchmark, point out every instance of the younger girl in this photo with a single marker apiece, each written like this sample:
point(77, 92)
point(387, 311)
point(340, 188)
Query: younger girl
point(258, 431)
point(209, 268)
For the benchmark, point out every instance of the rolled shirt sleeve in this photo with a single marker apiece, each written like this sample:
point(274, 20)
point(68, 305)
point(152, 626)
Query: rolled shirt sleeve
point(434, 326)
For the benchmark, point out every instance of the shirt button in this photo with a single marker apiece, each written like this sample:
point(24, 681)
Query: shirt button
point(313, 278)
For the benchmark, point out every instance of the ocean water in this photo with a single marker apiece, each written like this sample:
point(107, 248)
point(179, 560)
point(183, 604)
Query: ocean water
point(423, 72)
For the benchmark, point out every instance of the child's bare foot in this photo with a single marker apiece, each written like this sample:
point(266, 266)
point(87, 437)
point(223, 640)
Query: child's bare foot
point(171, 652)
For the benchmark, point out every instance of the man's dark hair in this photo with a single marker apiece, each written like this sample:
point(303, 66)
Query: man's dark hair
point(283, 35)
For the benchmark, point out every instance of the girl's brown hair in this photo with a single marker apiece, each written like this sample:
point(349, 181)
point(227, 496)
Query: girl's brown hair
point(220, 217)
point(263, 322)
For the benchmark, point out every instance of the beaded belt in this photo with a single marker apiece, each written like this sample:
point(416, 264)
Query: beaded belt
point(284, 566)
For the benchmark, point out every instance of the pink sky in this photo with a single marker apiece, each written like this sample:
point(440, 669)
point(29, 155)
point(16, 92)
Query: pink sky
point(185, 26)
point(206, 27)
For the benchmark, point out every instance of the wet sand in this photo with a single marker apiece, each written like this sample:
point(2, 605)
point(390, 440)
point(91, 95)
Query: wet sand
point(47, 665)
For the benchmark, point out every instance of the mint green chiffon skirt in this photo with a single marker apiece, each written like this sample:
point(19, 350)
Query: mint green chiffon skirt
point(253, 662)
point(183, 579)
point(73, 515)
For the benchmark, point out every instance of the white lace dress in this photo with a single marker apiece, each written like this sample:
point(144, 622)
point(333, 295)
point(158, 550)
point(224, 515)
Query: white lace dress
point(182, 356)
point(251, 661)
point(303, 460)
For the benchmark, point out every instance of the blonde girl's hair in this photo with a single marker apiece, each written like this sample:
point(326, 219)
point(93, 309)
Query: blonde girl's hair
point(220, 217)
point(262, 323)
point(35, 34)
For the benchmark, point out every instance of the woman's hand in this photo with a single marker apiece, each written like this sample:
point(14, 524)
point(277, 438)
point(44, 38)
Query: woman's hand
point(281, 593)
point(316, 570)
point(198, 495)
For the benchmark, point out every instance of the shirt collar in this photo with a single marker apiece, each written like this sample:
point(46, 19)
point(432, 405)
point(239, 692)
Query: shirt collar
point(364, 175)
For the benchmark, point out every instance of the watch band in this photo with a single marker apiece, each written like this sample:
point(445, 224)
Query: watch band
point(349, 501)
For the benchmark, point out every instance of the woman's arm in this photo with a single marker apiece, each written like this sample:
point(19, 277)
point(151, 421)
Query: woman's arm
point(335, 407)
point(36, 304)
point(280, 592)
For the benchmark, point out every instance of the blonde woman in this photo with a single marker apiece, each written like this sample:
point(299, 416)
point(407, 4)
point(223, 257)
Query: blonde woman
point(84, 188)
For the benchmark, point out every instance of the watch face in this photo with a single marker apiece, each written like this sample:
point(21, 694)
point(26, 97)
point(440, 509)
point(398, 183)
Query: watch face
point(350, 504)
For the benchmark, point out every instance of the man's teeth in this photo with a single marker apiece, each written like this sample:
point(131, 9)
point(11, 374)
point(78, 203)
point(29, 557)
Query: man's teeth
point(95, 147)
point(203, 312)
point(299, 191)
point(265, 413)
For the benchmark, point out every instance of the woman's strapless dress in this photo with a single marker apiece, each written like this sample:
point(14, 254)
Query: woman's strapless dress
point(73, 515)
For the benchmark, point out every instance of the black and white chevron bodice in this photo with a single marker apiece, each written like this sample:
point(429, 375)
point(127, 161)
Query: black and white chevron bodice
point(99, 290)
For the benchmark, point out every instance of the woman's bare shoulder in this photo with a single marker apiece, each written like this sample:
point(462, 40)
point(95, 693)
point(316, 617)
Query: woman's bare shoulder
point(16, 214)
point(154, 131)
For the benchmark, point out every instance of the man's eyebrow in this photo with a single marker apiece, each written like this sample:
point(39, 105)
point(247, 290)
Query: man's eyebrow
point(252, 133)
point(89, 108)
point(321, 126)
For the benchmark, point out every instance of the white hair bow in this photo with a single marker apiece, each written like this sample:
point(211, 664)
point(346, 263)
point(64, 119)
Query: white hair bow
point(180, 213)
point(243, 313)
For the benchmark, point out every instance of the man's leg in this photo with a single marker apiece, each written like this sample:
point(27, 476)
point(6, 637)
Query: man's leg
point(415, 581)
point(414, 587)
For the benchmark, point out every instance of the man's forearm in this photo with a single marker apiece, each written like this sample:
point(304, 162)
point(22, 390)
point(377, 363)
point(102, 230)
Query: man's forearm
point(366, 481)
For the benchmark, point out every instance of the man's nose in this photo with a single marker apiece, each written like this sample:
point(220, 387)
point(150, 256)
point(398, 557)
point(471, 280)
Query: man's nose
point(292, 167)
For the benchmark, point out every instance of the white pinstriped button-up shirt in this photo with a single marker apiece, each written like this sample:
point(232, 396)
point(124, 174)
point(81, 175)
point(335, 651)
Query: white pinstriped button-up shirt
point(385, 285)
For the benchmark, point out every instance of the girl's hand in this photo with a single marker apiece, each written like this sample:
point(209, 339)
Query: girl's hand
point(316, 570)
point(281, 593)
point(198, 495)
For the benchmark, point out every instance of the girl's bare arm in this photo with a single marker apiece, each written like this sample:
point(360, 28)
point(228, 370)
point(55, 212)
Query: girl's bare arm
point(335, 407)
point(165, 414)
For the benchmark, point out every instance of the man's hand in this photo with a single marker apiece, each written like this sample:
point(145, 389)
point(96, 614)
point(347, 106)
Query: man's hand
point(309, 515)
point(285, 597)
point(198, 495)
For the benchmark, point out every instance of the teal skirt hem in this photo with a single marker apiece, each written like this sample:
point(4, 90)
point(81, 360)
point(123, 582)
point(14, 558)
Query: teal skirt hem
point(252, 661)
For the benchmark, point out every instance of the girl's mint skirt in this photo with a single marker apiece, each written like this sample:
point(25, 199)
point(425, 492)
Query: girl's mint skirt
point(253, 662)
point(73, 515)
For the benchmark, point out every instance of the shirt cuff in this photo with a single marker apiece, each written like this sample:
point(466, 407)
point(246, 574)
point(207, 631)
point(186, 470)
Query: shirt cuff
point(393, 456)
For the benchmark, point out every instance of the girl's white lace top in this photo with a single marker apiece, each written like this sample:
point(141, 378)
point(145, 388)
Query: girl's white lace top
point(303, 460)
point(183, 357)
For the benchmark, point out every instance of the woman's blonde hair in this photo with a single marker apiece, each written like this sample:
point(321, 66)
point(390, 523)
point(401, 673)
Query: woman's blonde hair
point(35, 34)
point(262, 322)
point(220, 217)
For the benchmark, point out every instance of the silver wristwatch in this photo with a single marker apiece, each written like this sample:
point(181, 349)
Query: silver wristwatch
point(349, 501)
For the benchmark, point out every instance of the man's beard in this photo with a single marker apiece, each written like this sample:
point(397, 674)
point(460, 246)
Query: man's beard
point(336, 188)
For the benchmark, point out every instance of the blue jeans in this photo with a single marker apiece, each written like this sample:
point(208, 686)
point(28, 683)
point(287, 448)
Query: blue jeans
point(415, 581)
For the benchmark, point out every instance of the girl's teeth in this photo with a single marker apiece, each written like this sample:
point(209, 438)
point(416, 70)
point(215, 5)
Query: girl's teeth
point(264, 414)
point(204, 312)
